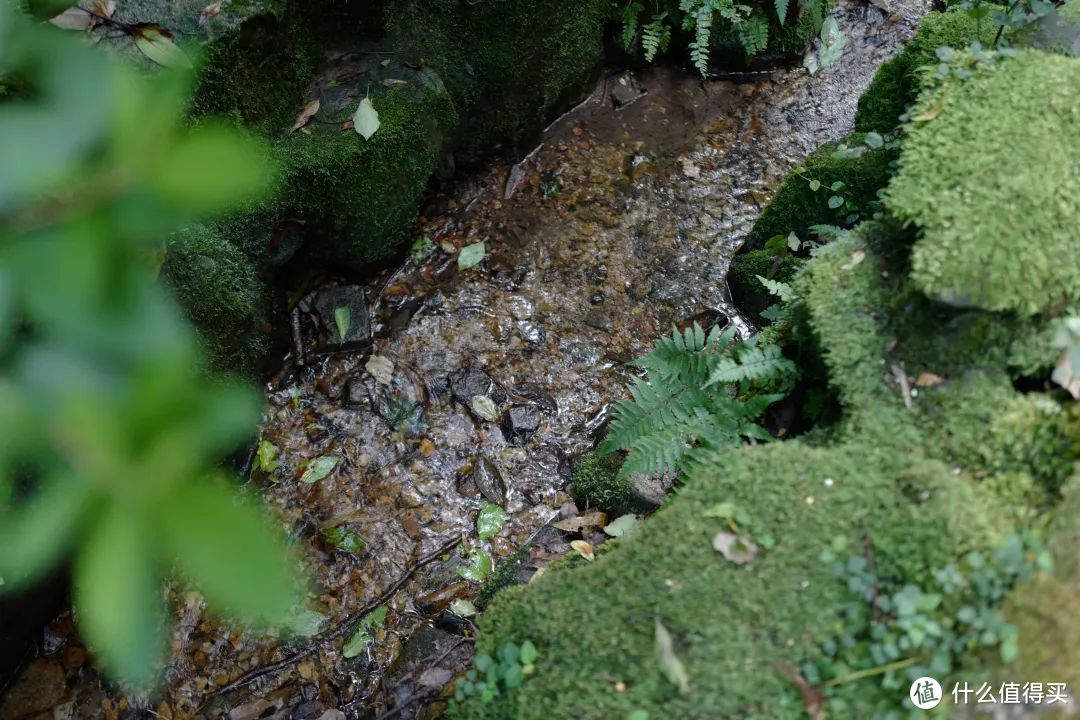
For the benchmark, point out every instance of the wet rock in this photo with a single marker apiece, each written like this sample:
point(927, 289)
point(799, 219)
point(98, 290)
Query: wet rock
point(311, 710)
point(597, 275)
point(520, 308)
point(650, 490)
point(531, 332)
point(637, 167)
point(357, 324)
point(489, 481)
point(254, 710)
point(356, 394)
point(626, 89)
point(519, 422)
point(332, 715)
point(596, 298)
point(599, 319)
point(465, 484)
point(39, 688)
point(469, 382)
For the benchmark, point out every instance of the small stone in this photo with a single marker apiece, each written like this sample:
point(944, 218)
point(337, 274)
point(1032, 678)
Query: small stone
point(531, 332)
point(336, 303)
point(381, 368)
point(469, 382)
point(626, 89)
point(519, 422)
point(598, 319)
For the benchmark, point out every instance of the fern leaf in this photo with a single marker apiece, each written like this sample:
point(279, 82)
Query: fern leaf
point(753, 34)
point(753, 364)
point(782, 290)
point(781, 10)
point(655, 37)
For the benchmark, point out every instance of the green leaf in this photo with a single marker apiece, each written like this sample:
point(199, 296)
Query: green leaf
point(490, 520)
point(781, 10)
point(670, 665)
point(835, 201)
point(319, 468)
point(343, 320)
point(212, 168)
point(117, 594)
point(621, 526)
point(364, 633)
point(156, 43)
point(471, 255)
point(462, 608)
point(782, 290)
point(528, 653)
point(873, 140)
point(230, 551)
point(793, 242)
point(36, 534)
point(478, 565)
point(815, 185)
point(366, 119)
point(266, 456)
point(514, 676)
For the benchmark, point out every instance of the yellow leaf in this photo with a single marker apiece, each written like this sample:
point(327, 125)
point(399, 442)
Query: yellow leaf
point(930, 114)
point(156, 43)
point(584, 549)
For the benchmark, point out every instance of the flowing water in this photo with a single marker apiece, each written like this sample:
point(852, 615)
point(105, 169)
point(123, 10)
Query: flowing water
point(620, 225)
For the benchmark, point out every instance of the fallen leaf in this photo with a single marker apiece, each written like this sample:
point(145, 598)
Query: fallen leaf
point(584, 549)
point(381, 368)
point(735, 548)
point(396, 84)
point(484, 407)
point(471, 255)
point(581, 522)
point(306, 114)
point(928, 379)
point(156, 43)
point(210, 11)
point(490, 520)
point(365, 632)
point(670, 664)
point(478, 565)
point(366, 119)
point(435, 678)
point(1065, 373)
point(74, 18)
point(813, 699)
point(266, 456)
point(343, 321)
point(319, 468)
point(930, 114)
point(462, 608)
point(621, 526)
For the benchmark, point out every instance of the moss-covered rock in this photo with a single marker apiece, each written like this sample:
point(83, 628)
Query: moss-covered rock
point(995, 194)
point(596, 483)
point(797, 204)
point(896, 83)
point(219, 288)
point(748, 293)
point(360, 197)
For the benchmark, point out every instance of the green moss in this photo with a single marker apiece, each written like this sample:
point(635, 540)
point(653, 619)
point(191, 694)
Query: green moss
point(596, 483)
point(896, 84)
point(956, 171)
point(360, 197)
point(750, 296)
point(530, 59)
point(731, 624)
point(796, 206)
point(218, 287)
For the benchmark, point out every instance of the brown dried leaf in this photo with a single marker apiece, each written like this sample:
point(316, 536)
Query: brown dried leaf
point(735, 548)
point(928, 379)
point(210, 11)
point(930, 114)
point(813, 699)
point(306, 114)
point(74, 18)
point(581, 522)
point(584, 549)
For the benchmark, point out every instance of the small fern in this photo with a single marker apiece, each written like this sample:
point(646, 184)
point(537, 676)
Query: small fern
point(753, 34)
point(782, 290)
point(630, 18)
point(781, 10)
point(655, 37)
point(678, 410)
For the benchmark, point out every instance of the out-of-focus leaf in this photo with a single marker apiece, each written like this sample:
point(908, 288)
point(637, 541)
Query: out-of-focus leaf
point(478, 565)
point(670, 665)
point(7, 307)
point(34, 536)
point(484, 407)
point(364, 633)
point(621, 526)
point(208, 13)
point(344, 539)
point(736, 548)
point(306, 114)
point(471, 255)
point(490, 520)
point(584, 549)
point(74, 18)
point(266, 456)
point(319, 468)
point(366, 119)
point(212, 169)
point(528, 653)
point(813, 699)
point(228, 549)
point(305, 623)
point(118, 595)
point(343, 320)
point(156, 43)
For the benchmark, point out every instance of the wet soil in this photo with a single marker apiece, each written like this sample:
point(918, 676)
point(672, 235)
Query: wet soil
point(620, 225)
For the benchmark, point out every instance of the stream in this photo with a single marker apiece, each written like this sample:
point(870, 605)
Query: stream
point(620, 225)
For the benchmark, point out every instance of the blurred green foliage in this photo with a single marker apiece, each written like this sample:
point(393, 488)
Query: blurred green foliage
point(112, 429)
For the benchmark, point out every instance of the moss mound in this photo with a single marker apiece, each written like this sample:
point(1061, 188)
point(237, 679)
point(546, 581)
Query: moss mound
point(796, 205)
point(956, 169)
point(596, 484)
point(359, 196)
point(896, 83)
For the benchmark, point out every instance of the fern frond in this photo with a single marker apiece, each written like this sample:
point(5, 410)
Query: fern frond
point(753, 34)
point(655, 37)
point(781, 10)
point(651, 407)
point(752, 364)
point(782, 290)
point(630, 16)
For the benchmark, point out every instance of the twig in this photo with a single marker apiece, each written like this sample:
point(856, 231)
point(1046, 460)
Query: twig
point(343, 628)
point(905, 386)
point(870, 672)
